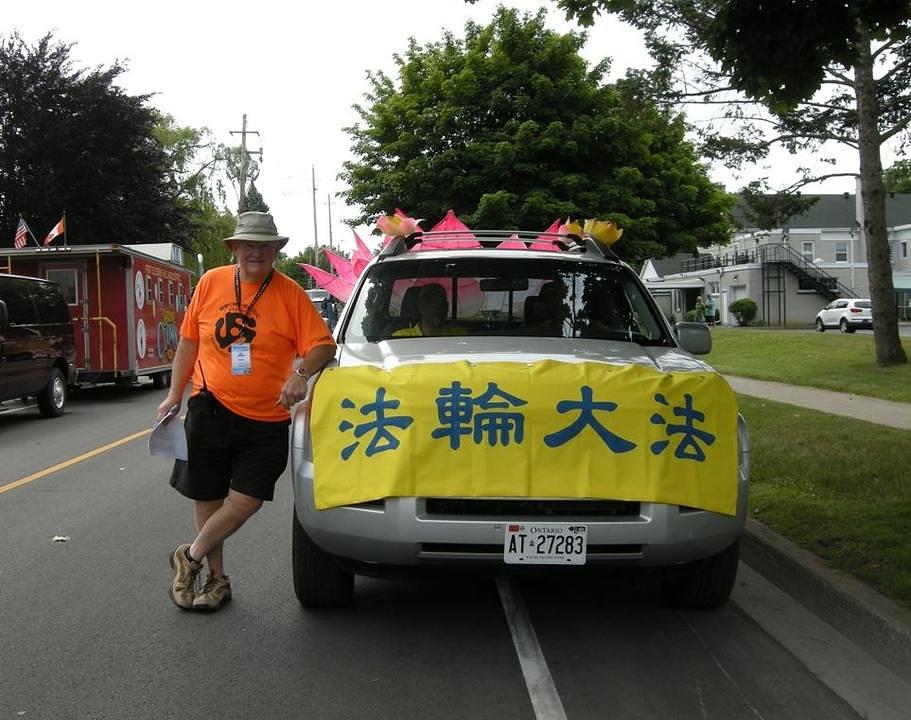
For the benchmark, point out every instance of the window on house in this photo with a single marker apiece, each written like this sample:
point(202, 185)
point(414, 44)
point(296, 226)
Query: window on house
point(903, 249)
point(807, 250)
point(841, 252)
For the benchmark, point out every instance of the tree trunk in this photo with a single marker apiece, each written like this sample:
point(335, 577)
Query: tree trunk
point(889, 350)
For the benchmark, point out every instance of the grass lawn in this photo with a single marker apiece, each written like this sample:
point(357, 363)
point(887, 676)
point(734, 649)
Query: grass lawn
point(829, 360)
point(835, 486)
point(840, 488)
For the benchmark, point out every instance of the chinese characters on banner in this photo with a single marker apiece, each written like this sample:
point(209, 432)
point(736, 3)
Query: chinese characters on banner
point(545, 429)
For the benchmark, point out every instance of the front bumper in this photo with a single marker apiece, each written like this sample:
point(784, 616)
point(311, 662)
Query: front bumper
point(416, 531)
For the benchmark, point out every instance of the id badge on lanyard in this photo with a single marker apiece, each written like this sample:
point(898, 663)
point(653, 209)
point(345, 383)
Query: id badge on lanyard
point(241, 359)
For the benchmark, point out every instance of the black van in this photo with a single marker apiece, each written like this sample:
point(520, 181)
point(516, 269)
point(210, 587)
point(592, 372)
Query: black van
point(37, 347)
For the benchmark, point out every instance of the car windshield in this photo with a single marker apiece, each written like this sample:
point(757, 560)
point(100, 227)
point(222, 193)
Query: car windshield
point(503, 297)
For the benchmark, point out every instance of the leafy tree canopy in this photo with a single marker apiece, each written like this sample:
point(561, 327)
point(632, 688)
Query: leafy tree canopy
point(783, 68)
point(777, 50)
point(255, 200)
point(897, 178)
point(510, 128)
point(196, 164)
point(71, 140)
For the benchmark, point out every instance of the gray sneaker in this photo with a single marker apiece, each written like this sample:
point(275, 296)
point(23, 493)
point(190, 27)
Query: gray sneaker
point(215, 593)
point(183, 585)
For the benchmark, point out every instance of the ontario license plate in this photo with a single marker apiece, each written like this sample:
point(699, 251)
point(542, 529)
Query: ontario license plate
point(545, 543)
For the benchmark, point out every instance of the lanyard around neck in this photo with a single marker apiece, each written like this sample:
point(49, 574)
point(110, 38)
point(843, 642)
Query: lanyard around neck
point(259, 293)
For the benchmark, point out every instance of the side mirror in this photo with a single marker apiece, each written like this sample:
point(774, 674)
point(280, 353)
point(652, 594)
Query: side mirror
point(694, 337)
point(4, 315)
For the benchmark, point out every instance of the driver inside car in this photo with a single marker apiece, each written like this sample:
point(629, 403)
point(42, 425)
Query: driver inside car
point(433, 308)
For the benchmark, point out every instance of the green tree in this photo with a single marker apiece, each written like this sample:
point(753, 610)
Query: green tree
point(255, 200)
point(290, 267)
point(897, 178)
point(510, 128)
point(235, 166)
point(197, 167)
point(71, 140)
point(805, 76)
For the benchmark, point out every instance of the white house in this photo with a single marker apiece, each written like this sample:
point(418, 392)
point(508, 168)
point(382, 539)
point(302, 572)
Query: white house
point(792, 271)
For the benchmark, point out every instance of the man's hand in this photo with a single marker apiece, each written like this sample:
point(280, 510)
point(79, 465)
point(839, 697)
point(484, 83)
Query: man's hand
point(168, 407)
point(293, 391)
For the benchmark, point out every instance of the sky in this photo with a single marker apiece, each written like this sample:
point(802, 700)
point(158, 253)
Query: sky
point(295, 70)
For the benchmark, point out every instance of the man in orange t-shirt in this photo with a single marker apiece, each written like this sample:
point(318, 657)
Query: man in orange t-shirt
point(243, 330)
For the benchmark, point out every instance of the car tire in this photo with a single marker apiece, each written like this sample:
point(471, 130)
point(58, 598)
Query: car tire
point(705, 584)
point(819, 325)
point(161, 380)
point(843, 326)
point(52, 399)
point(319, 582)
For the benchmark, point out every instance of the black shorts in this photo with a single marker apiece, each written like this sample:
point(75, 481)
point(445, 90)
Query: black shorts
point(229, 452)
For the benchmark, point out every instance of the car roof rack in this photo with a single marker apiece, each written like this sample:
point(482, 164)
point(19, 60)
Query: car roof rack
point(492, 239)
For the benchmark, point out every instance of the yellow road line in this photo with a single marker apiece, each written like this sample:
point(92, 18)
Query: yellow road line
point(72, 461)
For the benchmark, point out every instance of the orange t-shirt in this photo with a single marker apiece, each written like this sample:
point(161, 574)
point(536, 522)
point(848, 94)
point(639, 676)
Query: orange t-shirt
point(282, 325)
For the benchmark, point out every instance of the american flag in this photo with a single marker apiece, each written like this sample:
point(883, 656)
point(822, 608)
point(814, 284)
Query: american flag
point(21, 232)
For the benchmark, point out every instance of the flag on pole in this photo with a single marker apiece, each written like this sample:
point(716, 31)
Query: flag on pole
point(58, 229)
point(21, 232)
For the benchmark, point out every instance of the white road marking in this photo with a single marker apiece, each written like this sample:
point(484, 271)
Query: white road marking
point(541, 689)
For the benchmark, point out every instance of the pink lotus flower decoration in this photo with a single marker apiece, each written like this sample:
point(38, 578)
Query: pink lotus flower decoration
point(398, 225)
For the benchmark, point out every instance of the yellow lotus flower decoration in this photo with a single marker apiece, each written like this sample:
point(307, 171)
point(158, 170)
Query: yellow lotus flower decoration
point(571, 227)
point(604, 231)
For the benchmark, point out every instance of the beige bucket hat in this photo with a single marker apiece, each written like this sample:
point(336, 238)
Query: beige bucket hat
point(256, 227)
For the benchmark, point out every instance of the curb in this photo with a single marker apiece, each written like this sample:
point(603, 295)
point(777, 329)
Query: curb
point(875, 623)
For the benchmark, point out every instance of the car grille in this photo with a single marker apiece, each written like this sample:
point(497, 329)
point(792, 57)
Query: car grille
point(516, 509)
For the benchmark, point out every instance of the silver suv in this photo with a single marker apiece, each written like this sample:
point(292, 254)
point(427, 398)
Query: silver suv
point(508, 406)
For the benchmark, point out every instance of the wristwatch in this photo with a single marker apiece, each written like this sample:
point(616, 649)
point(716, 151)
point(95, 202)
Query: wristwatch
point(299, 370)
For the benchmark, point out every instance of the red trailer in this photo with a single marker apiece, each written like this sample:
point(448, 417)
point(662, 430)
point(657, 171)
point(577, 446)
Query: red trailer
point(126, 303)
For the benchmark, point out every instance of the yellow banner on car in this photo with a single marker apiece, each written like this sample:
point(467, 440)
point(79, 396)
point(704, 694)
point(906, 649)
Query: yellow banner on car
point(544, 429)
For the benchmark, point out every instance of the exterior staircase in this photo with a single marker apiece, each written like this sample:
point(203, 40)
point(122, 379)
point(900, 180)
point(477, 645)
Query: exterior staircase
point(775, 257)
point(811, 277)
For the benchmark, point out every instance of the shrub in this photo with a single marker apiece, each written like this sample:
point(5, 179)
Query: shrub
point(744, 310)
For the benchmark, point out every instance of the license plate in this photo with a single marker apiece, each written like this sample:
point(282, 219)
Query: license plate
point(545, 543)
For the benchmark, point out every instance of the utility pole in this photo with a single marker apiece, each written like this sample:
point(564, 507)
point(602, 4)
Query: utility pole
point(329, 203)
point(244, 160)
point(315, 233)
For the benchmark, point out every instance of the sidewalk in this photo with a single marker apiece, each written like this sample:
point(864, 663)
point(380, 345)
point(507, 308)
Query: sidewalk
point(881, 412)
point(872, 621)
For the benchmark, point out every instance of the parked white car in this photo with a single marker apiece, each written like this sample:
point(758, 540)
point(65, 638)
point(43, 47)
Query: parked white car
point(846, 314)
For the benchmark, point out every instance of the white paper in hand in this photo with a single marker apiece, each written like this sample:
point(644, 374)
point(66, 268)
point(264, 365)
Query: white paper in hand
point(168, 438)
